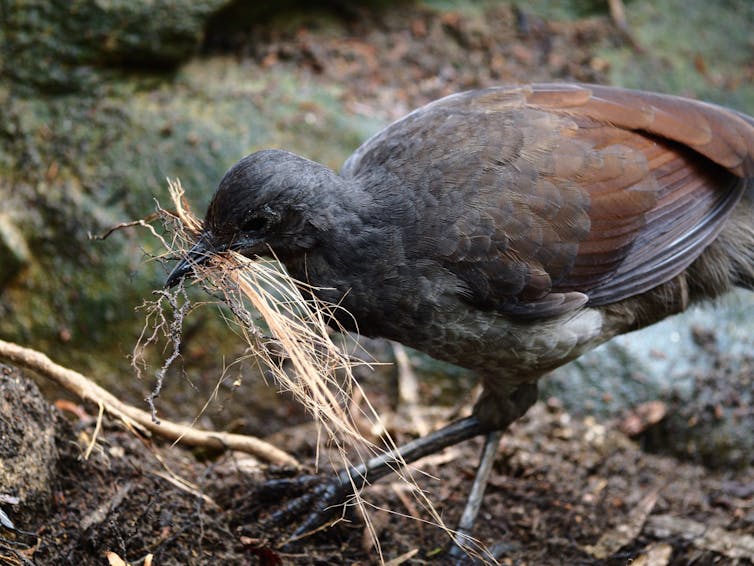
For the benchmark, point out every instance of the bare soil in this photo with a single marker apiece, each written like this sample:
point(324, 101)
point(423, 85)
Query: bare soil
point(558, 487)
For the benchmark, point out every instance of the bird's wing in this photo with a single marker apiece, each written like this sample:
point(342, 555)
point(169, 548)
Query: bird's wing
point(540, 199)
point(695, 155)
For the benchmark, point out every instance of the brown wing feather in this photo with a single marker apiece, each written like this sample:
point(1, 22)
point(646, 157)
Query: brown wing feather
point(539, 197)
point(687, 145)
point(721, 135)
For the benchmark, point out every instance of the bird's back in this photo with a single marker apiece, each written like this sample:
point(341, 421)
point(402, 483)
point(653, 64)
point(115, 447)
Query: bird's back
point(543, 199)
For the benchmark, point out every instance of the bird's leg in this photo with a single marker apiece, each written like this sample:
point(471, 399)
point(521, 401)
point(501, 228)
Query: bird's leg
point(462, 536)
point(326, 498)
point(501, 410)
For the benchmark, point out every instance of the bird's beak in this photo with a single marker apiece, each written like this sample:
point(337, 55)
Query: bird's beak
point(200, 253)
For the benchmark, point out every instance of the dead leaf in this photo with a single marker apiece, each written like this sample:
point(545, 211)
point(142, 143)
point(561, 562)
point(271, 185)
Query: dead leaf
point(656, 554)
point(101, 512)
point(642, 417)
point(114, 560)
point(613, 540)
point(733, 544)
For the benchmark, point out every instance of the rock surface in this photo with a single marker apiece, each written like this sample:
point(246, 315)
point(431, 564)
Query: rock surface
point(28, 454)
point(700, 364)
point(61, 45)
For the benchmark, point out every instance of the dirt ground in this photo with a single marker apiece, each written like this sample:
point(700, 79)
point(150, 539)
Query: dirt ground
point(564, 490)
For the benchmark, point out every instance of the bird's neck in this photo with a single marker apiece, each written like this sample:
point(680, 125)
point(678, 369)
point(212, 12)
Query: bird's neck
point(353, 221)
point(358, 241)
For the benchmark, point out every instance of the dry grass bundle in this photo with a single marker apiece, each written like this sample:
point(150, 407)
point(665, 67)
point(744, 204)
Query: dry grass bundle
point(297, 326)
point(322, 378)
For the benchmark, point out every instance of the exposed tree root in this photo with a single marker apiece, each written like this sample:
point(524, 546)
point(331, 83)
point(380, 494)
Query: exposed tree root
point(136, 418)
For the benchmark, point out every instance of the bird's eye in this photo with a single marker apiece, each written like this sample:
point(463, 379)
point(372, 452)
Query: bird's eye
point(253, 224)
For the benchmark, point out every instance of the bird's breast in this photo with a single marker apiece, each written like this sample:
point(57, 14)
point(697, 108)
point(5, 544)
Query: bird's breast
point(422, 306)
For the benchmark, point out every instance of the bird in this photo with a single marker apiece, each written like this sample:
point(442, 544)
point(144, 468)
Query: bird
point(507, 230)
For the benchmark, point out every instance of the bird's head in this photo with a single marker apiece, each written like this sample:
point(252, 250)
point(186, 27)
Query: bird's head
point(270, 201)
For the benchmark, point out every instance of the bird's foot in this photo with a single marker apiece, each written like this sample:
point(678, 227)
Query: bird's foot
point(321, 499)
point(317, 499)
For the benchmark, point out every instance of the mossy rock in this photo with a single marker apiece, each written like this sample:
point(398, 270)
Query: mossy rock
point(60, 45)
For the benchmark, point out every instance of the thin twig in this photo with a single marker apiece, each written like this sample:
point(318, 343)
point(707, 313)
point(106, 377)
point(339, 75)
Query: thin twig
point(143, 222)
point(176, 330)
point(97, 429)
point(618, 15)
point(408, 390)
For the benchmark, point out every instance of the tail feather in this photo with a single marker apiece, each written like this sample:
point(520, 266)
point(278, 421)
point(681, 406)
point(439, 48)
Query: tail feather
point(740, 239)
point(728, 261)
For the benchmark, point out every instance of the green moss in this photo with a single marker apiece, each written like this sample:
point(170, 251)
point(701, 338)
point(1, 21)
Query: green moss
point(683, 53)
point(14, 253)
point(63, 45)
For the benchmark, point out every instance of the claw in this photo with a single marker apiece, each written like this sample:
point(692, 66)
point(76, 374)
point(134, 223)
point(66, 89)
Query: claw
point(328, 497)
point(280, 487)
point(322, 501)
point(291, 509)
